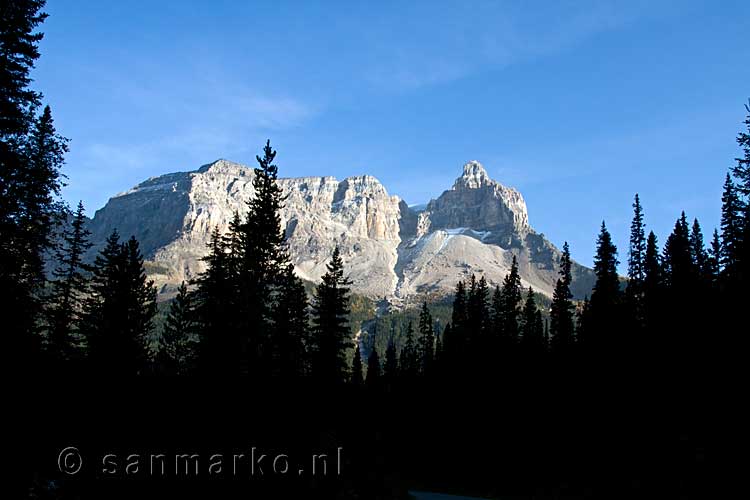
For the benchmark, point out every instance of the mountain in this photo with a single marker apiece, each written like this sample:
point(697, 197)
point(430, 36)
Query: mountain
point(392, 252)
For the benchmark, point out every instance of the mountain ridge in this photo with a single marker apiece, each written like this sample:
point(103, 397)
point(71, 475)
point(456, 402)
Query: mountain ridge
point(392, 252)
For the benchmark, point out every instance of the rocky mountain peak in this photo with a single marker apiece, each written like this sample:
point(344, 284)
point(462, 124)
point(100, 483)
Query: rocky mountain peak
point(473, 177)
point(390, 251)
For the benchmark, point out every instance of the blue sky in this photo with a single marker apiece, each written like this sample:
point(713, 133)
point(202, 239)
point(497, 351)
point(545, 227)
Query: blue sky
point(577, 104)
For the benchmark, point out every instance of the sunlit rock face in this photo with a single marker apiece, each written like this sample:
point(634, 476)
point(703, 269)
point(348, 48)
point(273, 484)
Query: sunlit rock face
point(390, 251)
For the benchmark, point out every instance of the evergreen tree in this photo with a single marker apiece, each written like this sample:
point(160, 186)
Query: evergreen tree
point(214, 295)
point(290, 327)
point(496, 318)
point(652, 283)
point(561, 310)
point(742, 170)
point(409, 354)
point(679, 269)
point(652, 266)
point(390, 370)
point(605, 297)
point(511, 298)
point(477, 314)
point(701, 264)
point(19, 259)
point(714, 257)
point(176, 343)
point(373, 368)
point(637, 251)
point(454, 339)
point(262, 262)
point(439, 346)
point(65, 304)
point(331, 323)
point(636, 270)
point(120, 309)
point(731, 231)
point(426, 339)
point(357, 380)
point(532, 333)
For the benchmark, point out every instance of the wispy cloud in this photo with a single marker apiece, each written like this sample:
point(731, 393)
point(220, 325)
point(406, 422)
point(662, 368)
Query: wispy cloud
point(482, 37)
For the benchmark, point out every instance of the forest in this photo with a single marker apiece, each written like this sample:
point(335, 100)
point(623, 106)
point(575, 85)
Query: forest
point(625, 393)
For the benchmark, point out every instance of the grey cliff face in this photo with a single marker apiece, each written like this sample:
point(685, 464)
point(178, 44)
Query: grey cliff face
point(390, 251)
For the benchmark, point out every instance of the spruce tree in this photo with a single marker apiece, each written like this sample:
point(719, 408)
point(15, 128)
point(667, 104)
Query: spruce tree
point(214, 295)
point(742, 169)
point(454, 340)
point(373, 368)
point(390, 369)
point(636, 271)
point(742, 172)
point(477, 314)
point(714, 257)
point(439, 346)
point(731, 231)
point(69, 286)
point(426, 340)
point(637, 250)
point(497, 315)
point(561, 310)
point(290, 340)
point(652, 284)
point(701, 263)
point(511, 299)
point(605, 297)
point(357, 379)
point(532, 334)
point(19, 264)
point(177, 342)
point(677, 262)
point(262, 262)
point(331, 323)
point(119, 311)
point(408, 365)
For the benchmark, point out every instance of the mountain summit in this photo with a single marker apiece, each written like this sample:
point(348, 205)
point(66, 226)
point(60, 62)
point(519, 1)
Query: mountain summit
point(391, 251)
point(474, 176)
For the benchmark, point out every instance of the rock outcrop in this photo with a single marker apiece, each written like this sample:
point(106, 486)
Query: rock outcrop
point(390, 251)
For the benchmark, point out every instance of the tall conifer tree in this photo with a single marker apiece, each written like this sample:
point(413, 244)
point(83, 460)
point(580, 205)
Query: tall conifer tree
point(177, 342)
point(331, 323)
point(561, 310)
point(605, 297)
point(357, 379)
point(69, 286)
point(426, 340)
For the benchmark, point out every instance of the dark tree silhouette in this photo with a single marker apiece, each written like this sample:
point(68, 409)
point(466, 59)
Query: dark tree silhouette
point(214, 296)
point(409, 358)
point(262, 261)
point(331, 324)
point(731, 232)
point(636, 271)
point(426, 340)
point(561, 310)
point(119, 311)
point(357, 380)
point(532, 330)
point(290, 340)
point(68, 287)
point(511, 299)
point(602, 332)
point(177, 342)
point(373, 368)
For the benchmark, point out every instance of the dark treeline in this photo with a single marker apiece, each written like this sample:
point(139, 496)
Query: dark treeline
point(622, 394)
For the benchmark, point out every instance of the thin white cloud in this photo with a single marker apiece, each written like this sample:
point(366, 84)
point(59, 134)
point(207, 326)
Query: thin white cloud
point(478, 38)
